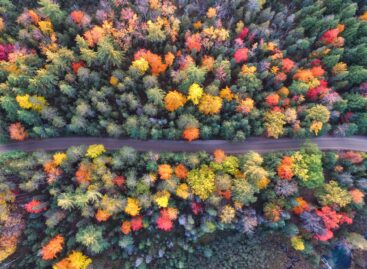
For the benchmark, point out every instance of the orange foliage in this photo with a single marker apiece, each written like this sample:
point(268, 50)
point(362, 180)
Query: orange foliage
point(288, 65)
point(226, 93)
point(317, 71)
point(245, 106)
point(170, 213)
point(34, 17)
point(273, 212)
point(77, 16)
point(272, 99)
point(174, 100)
point(17, 131)
point(357, 196)
point(169, 58)
point(83, 175)
point(181, 171)
point(219, 155)
point(165, 171)
point(304, 75)
point(191, 134)
point(285, 168)
point(125, 227)
point(193, 42)
point(352, 156)
point(301, 206)
point(154, 60)
point(52, 248)
point(226, 194)
point(94, 35)
point(102, 215)
point(52, 171)
point(208, 62)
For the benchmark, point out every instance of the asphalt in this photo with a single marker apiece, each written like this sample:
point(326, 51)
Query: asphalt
point(258, 144)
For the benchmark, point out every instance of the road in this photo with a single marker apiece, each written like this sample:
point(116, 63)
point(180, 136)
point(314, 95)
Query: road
point(258, 144)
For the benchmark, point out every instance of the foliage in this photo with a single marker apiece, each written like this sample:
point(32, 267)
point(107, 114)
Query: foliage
point(174, 100)
point(120, 69)
point(333, 194)
point(75, 260)
point(201, 181)
point(274, 122)
point(52, 248)
point(308, 168)
point(17, 131)
point(94, 151)
point(123, 199)
point(92, 238)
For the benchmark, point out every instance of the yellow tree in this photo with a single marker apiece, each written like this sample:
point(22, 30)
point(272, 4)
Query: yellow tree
point(210, 105)
point(274, 123)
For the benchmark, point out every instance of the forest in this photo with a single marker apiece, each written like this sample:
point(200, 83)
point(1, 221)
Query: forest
point(147, 210)
point(153, 69)
point(186, 70)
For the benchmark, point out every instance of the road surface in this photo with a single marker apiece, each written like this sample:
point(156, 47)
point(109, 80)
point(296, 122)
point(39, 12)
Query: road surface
point(258, 144)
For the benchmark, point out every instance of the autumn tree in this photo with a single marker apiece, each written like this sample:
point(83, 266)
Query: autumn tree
point(274, 122)
point(17, 131)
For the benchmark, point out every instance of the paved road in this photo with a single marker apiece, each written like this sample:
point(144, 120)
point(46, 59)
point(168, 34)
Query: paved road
point(358, 143)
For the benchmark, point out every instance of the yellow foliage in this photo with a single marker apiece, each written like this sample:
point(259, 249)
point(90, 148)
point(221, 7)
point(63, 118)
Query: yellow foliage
point(114, 81)
point(59, 157)
point(36, 103)
point(23, 101)
point(333, 194)
point(210, 104)
point(75, 260)
point(132, 207)
point(313, 83)
point(227, 214)
point(315, 127)
point(297, 243)
point(2, 24)
point(339, 68)
point(283, 91)
point(195, 93)
point(226, 93)
point(45, 26)
point(202, 182)
point(183, 191)
point(248, 70)
point(141, 64)
point(94, 151)
point(215, 33)
point(274, 122)
point(162, 198)
point(274, 70)
point(245, 106)
point(263, 183)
